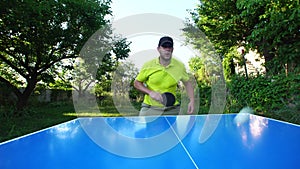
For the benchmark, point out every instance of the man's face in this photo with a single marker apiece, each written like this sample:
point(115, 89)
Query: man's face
point(165, 52)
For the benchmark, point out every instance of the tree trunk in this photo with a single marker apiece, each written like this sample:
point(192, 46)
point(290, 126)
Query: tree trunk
point(24, 96)
point(232, 67)
point(268, 58)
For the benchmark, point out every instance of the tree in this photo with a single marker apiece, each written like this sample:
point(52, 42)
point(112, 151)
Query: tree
point(110, 61)
point(271, 27)
point(99, 72)
point(98, 58)
point(275, 32)
point(124, 94)
point(123, 78)
point(36, 35)
point(213, 19)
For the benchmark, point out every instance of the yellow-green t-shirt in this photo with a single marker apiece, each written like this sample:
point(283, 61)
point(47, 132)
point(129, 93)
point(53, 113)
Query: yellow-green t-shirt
point(162, 79)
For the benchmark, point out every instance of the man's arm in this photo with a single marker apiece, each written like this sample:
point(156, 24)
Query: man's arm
point(190, 92)
point(141, 87)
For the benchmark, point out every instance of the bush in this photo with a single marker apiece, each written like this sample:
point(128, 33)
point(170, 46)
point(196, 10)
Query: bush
point(276, 96)
point(204, 98)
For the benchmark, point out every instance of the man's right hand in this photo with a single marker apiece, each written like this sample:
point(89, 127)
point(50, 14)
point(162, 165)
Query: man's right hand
point(156, 96)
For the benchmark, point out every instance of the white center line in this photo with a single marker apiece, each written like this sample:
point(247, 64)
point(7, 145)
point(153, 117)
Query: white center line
point(189, 155)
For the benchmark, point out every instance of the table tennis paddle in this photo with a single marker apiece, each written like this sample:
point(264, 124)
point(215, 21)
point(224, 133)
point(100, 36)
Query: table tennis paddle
point(168, 99)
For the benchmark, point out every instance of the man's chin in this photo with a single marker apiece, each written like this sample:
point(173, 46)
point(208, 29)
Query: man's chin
point(168, 56)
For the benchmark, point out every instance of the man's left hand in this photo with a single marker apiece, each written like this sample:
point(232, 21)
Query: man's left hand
point(190, 107)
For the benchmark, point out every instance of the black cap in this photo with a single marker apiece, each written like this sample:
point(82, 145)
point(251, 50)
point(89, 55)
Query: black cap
point(165, 41)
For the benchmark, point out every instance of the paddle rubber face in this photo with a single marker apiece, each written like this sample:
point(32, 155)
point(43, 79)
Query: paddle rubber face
point(168, 99)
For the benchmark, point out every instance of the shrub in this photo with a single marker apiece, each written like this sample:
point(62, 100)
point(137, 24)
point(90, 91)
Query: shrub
point(276, 96)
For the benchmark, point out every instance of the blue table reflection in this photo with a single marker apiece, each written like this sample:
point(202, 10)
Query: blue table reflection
point(200, 141)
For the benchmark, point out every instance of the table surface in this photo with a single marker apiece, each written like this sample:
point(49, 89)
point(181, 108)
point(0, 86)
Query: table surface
point(196, 141)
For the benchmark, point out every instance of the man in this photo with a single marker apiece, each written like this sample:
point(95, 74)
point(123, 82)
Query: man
point(162, 75)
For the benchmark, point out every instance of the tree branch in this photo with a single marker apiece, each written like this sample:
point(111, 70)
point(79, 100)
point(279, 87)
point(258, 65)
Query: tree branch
point(13, 66)
point(47, 66)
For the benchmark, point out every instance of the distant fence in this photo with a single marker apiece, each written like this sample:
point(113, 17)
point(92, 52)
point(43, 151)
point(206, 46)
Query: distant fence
point(53, 95)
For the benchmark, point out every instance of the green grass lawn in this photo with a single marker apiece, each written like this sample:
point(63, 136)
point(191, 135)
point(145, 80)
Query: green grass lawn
point(33, 119)
point(43, 116)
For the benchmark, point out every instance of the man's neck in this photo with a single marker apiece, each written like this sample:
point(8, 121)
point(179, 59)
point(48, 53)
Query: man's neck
point(164, 62)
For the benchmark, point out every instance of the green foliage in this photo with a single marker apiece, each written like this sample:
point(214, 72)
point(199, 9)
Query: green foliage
point(102, 88)
point(197, 66)
point(36, 35)
point(60, 84)
point(276, 32)
point(214, 19)
point(204, 98)
point(110, 62)
point(276, 97)
point(270, 27)
point(228, 62)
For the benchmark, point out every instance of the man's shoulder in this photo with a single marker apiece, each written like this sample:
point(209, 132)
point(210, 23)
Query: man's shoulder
point(151, 62)
point(177, 62)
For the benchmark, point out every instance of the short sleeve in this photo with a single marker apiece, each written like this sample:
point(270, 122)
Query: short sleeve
point(142, 75)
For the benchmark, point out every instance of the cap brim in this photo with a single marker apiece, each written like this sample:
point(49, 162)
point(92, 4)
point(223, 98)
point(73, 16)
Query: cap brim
point(167, 44)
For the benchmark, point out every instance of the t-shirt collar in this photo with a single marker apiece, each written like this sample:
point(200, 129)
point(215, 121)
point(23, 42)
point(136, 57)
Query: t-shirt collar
point(171, 63)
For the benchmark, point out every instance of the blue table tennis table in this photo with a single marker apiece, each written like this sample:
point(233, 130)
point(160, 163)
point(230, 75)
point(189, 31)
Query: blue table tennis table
point(184, 141)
